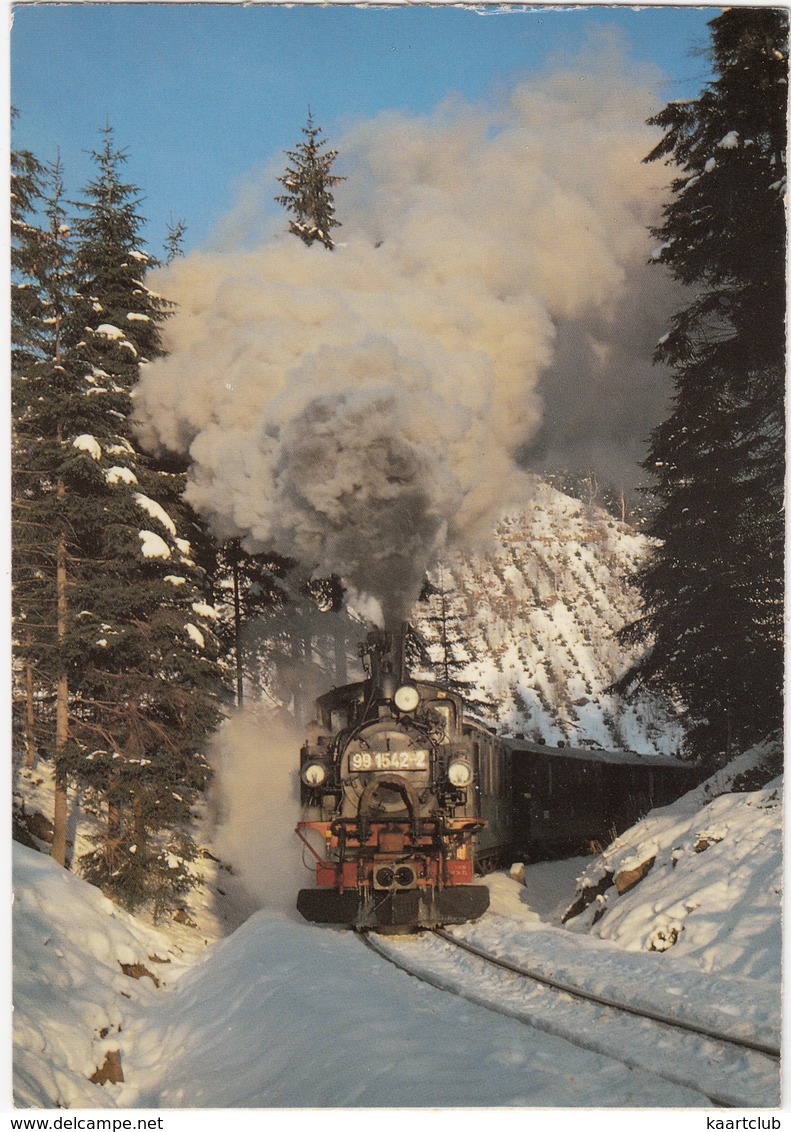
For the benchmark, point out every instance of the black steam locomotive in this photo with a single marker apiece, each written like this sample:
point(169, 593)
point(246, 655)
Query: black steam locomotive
point(405, 798)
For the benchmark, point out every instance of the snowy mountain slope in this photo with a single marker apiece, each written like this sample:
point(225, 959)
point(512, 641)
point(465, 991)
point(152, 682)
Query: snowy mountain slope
point(535, 619)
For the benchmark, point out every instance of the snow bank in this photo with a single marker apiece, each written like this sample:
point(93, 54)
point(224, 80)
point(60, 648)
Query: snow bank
point(278, 1015)
point(72, 1001)
point(713, 894)
point(291, 1015)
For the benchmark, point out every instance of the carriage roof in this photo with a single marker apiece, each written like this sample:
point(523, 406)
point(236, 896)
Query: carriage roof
point(594, 754)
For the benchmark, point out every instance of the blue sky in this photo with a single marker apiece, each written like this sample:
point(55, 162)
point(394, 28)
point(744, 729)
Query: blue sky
point(201, 94)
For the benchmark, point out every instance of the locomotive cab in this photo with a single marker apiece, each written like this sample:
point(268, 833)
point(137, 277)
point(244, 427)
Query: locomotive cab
point(387, 789)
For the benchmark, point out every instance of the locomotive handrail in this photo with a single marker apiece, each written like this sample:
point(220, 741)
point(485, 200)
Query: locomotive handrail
point(305, 842)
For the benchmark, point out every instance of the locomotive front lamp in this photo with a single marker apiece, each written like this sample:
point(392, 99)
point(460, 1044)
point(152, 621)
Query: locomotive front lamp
point(313, 774)
point(459, 773)
point(407, 697)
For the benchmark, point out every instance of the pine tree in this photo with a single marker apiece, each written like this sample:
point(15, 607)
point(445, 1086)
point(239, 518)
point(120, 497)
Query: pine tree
point(308, 182)
point(146, 680)
point(174, 244)
point(444, 634)
point(43, 405)
point(111, 602)
point(26, 313)
point(713, 588)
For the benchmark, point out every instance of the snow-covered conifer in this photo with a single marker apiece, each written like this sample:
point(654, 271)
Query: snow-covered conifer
point(116, 617)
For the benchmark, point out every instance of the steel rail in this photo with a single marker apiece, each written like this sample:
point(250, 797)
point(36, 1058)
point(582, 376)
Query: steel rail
point(602, 1000)
point(526, 1020)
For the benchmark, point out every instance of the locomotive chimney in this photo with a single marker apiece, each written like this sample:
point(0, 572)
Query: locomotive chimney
point(386, 652)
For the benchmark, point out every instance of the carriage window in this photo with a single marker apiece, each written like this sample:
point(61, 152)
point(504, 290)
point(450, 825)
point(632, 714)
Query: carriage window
point(502, 772)
point(494, 758)
point(445, 713)
point(477, 769)
point(338, 719)
point(490, 786)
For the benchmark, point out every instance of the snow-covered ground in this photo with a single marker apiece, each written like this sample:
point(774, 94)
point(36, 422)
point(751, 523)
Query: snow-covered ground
point(280, 1014)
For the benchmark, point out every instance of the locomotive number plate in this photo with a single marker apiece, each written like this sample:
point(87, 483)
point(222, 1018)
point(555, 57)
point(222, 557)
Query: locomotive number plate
point(388, 760)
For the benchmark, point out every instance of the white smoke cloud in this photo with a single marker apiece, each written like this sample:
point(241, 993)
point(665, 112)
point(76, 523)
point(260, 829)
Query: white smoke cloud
point(363, 409)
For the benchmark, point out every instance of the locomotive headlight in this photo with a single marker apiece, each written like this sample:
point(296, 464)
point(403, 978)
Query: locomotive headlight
point(459, 773)
point(313, 774)
point(407, 697)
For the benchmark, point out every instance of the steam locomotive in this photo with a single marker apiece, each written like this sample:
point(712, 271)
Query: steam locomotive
point(404, 798)
point(387, 787)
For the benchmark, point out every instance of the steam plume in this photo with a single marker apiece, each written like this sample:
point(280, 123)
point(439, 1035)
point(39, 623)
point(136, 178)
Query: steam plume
point(257, 786)
point(363, 409)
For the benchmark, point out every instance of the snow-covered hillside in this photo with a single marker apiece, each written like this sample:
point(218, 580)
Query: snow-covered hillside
point(535, 620)
point(700, 879)
point(239, 1023)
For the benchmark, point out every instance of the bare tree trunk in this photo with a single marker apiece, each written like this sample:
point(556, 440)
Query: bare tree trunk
point(58, 852)
point(237, 627)
point(60, 816)
point(30, 720)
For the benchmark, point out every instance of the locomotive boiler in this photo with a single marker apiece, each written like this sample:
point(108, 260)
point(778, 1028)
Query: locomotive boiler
point(390, 809)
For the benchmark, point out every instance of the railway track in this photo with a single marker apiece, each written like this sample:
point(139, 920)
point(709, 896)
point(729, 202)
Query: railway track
point(601, 1000)
point(731, 1072)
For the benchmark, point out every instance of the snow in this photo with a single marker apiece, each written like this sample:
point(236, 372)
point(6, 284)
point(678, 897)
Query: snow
point(153, 546)
point(730, 141)
point(156, 511)
point(115, 334)
point(107, 330)
point(713, 894)
point(281, 1014)
point(69, 942)
point(241, 1027)
point(120, 449)
point(185, 549)
point(120, 475)
point(204, 610)
point(89, 444)
point(194, 633)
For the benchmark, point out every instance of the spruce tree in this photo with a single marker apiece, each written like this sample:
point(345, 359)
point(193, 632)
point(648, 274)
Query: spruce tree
point(443, 641)
point(174, 243)
point(44, 409)
point(713, 588)
point(244, 588)
point(309, 182)
point(26, 313)
point(146, 679)
point(27, 183)
point(110, 603)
